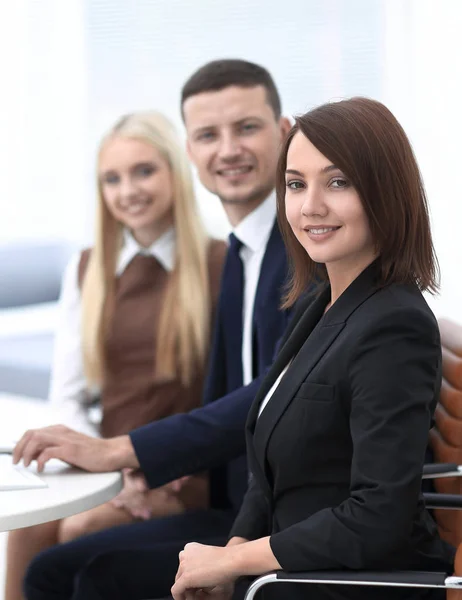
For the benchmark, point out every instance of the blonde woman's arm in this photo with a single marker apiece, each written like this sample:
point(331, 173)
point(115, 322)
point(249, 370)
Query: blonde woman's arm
point(69, 394)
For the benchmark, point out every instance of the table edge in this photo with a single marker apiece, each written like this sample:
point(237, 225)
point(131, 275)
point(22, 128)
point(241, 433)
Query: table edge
point(67, 509)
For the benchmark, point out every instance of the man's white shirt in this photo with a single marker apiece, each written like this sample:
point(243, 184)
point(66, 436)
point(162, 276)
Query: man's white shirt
point(254, 232)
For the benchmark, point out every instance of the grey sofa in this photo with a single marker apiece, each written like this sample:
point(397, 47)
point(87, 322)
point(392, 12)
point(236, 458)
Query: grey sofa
point(30, 282)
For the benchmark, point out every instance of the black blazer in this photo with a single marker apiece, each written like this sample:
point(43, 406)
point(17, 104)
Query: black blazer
point(213, 436)
point(337, 454)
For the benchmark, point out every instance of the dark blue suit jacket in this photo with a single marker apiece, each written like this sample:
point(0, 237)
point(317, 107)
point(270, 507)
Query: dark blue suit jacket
point(212, 437)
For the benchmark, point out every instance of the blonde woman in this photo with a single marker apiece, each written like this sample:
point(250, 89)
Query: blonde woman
point(135, 322)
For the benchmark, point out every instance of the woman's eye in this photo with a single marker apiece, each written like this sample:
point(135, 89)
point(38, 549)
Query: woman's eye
point(294, 185)
point(111, 179)
point(338, 183)
point(145, 170)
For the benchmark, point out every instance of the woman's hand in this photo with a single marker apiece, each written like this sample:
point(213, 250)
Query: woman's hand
point(143, 503)
point(175, 487)
point(134, 497)
point(205, 572)
point(210, 571)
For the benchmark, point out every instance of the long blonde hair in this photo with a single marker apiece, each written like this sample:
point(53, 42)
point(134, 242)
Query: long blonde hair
point(184, 321)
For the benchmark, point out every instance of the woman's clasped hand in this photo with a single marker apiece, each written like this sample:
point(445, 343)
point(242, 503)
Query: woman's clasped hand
point(205, 572)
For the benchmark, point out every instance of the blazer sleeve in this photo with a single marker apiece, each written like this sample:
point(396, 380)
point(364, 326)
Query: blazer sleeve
point(394, 376)
point(253, 519)
point(202, 439)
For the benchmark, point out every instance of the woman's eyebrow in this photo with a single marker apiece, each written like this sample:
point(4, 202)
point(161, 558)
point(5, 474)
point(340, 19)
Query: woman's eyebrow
point(326, 169)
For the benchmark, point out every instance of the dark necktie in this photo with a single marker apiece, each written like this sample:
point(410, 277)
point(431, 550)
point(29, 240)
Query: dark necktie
point(225, 482)
point(232, 307)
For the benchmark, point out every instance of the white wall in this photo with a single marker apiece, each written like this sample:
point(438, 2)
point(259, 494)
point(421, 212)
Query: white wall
point(42, 119)
point(70, 68)
point(140, 54)
point(422, 86)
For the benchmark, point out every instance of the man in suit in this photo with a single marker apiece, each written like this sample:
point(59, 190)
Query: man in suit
point(232, 115)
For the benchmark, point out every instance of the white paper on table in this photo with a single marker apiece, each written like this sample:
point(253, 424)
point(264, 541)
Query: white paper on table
point(15, 477)
point(7, 446)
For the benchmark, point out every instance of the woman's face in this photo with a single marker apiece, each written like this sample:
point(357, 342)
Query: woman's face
point(324, 210)
point(136, 184)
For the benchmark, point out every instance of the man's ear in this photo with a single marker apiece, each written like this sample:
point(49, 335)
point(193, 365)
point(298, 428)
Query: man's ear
point(285, 125)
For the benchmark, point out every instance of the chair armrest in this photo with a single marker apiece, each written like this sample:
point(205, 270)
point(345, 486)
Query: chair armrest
point(453, 501)
point(435, 470)
point(425, 579)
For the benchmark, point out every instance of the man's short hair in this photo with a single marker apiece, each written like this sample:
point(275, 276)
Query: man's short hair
point(220, 74)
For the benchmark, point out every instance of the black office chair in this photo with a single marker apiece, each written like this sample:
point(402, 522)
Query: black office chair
point(408, 579)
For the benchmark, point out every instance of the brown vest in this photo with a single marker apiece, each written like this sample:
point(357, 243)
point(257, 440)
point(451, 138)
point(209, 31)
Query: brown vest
point(132, 395)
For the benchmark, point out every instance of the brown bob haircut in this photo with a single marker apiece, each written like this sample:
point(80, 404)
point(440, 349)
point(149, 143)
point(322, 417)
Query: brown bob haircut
point(363, 139)
point(220, 74)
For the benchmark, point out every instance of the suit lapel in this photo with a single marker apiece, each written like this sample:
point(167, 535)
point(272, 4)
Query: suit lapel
point(308, 341)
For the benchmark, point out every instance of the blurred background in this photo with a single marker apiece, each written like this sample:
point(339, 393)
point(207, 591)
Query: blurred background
point(70, 68)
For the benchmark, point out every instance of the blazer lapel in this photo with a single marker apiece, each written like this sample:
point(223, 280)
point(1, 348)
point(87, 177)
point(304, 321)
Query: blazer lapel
point(294, 338)
point(309, 340)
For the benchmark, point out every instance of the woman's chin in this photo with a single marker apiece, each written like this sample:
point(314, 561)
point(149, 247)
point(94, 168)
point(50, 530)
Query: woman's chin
point(319, 257)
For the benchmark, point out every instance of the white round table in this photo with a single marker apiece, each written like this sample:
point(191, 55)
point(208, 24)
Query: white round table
point(69, 490)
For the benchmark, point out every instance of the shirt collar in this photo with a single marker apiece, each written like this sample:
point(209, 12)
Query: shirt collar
point(255, 229)
point(163, 249)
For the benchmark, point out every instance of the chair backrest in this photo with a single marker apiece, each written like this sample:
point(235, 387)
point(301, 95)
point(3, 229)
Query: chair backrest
point(446, 436)
point(31, 271)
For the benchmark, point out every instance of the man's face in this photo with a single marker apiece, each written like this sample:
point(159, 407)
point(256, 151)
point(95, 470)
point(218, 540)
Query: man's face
point(234, 140)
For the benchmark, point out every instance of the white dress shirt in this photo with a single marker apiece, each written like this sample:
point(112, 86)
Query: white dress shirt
point(254, 232)
point(70, 394)
point(274, 387)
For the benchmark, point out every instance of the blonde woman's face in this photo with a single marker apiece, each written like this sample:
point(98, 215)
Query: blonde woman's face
point(137, 187)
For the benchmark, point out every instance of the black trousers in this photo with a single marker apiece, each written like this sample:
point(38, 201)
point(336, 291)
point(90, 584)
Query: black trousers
point(130, 562)
point(110, 577)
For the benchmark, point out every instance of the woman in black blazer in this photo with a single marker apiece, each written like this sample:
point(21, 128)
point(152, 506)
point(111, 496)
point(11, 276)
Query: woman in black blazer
point(337, 433)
